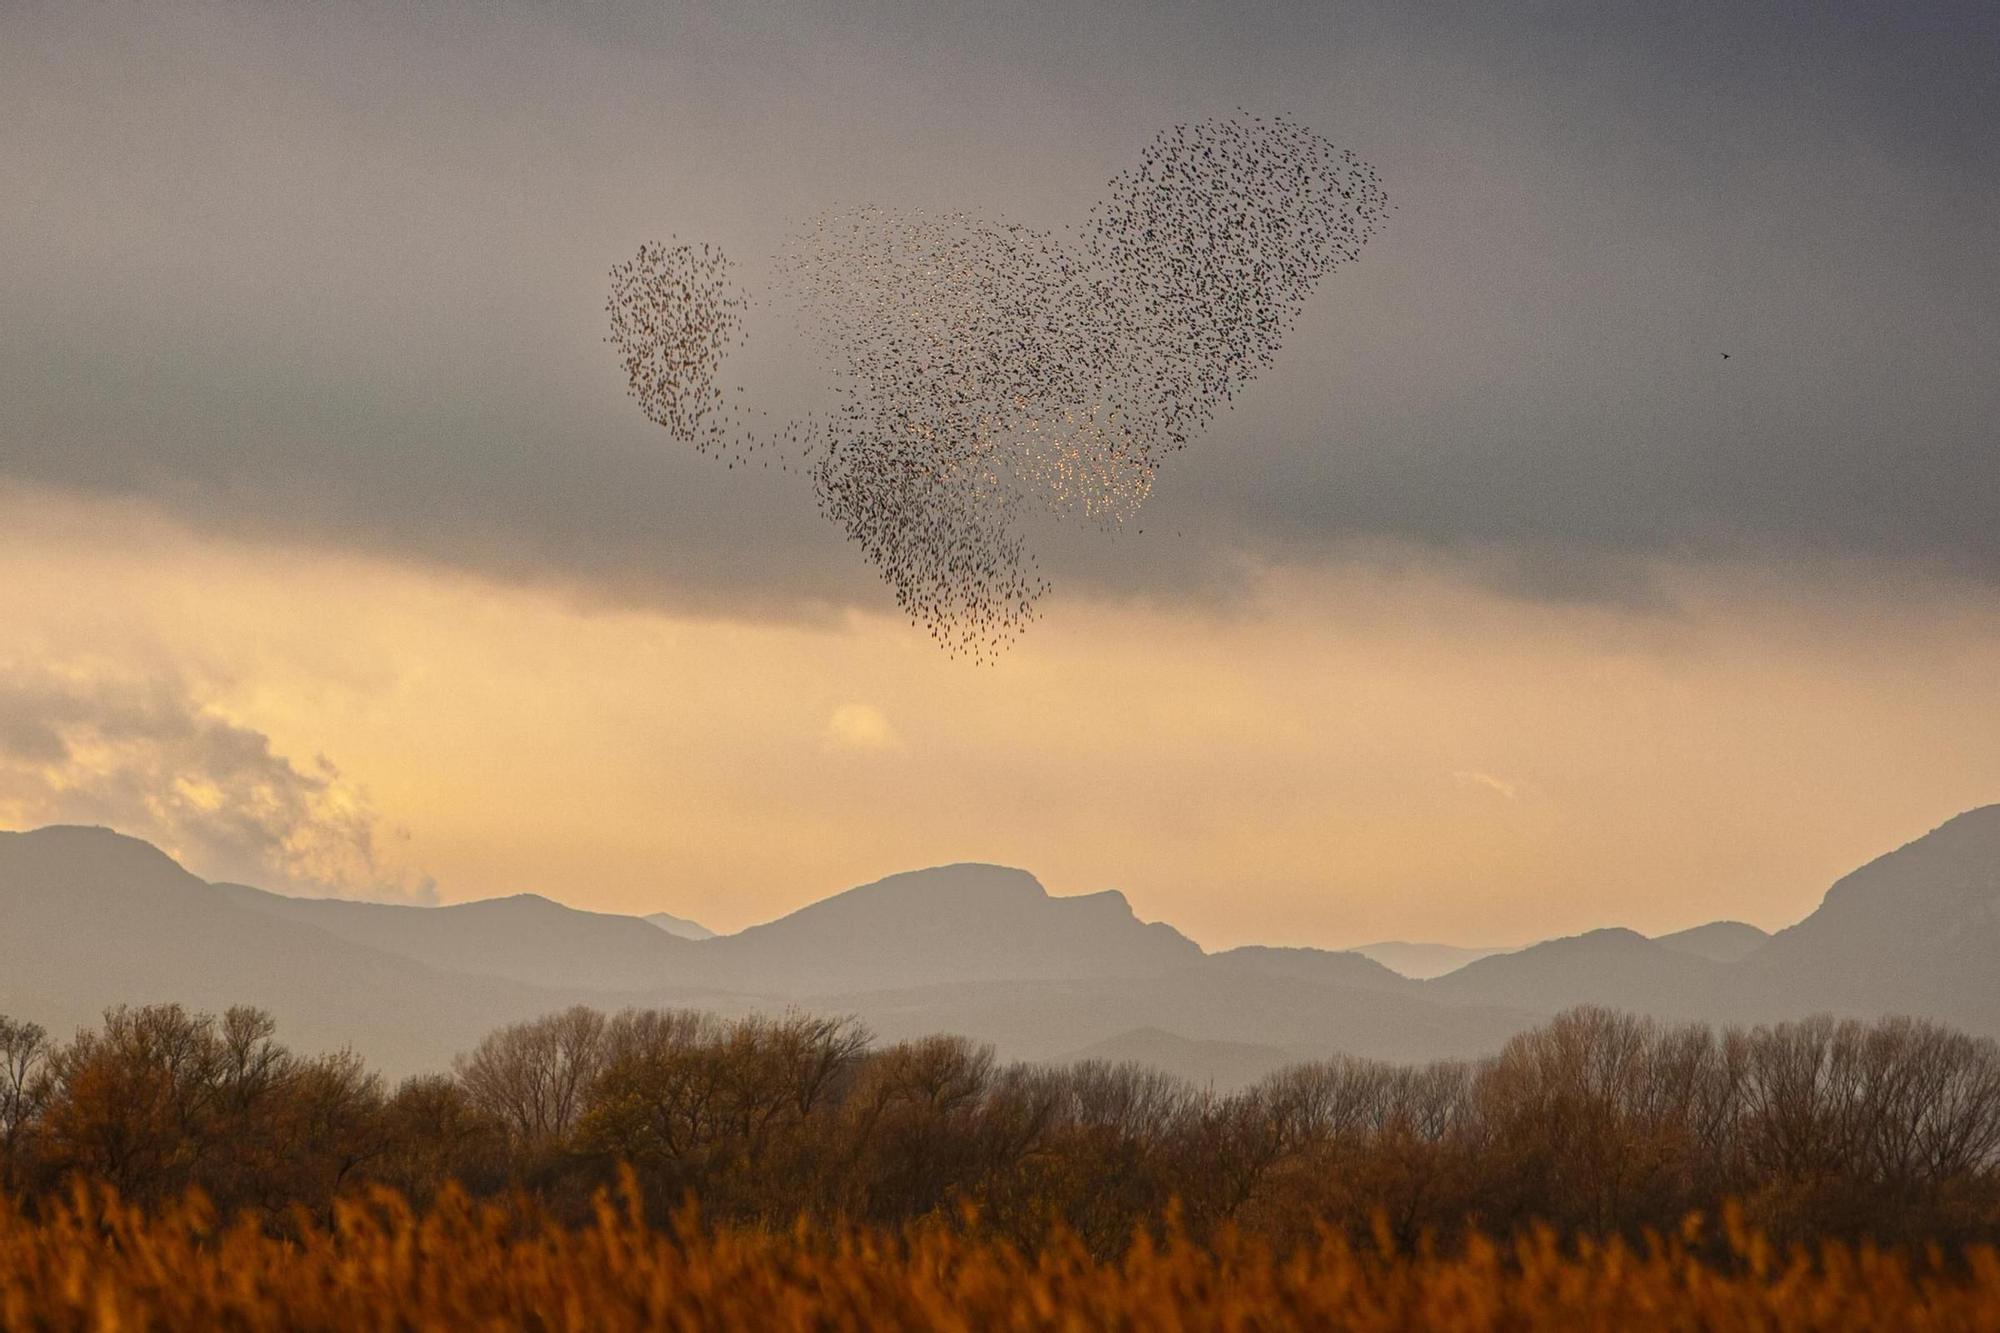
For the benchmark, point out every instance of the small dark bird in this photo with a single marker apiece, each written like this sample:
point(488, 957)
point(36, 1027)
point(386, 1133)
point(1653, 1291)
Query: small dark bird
point(1725, 356)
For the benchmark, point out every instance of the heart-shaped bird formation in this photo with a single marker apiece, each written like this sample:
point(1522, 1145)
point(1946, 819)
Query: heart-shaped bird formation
point(985, 366)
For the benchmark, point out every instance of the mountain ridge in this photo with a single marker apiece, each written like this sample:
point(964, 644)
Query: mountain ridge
point(97, 918)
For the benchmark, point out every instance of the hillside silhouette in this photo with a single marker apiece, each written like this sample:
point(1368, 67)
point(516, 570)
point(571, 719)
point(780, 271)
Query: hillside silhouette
point(96, 919)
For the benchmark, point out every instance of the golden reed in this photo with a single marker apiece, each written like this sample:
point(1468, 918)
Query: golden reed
point(96, 1263)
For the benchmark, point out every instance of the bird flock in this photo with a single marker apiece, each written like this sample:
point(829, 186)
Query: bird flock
point(986, 370)
point(674, 313)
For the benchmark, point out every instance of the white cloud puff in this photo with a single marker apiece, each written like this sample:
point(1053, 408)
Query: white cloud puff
point(143, 756)
point(859, 727)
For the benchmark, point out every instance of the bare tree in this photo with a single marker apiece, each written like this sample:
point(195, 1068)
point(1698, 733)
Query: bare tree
point(25, 1087)
point(534, 1076)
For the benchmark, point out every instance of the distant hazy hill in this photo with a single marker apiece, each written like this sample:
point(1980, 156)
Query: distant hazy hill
point(1610, 967)
point(1423, 961)
point(1223, 1065)
point(1718, 941)
point(524, 938)
point(1045, 1020)
point(89, 918)
point(1322, 966)
point(679, 925)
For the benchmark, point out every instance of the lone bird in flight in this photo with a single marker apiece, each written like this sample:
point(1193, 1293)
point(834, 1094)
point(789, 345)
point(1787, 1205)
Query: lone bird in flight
point(1725, 356)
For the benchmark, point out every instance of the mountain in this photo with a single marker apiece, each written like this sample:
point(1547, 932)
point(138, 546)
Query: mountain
point(89, 918)
point(1616, 967)
point(98, 919)
point(1916, 931)
point(1718, 941)
point(679, 925)
point(953, 924)
point(1421, 962)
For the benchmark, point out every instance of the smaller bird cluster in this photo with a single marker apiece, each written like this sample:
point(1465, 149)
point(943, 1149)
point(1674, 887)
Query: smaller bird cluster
point(987, 370)
point(1210, 247)
point(674, 313)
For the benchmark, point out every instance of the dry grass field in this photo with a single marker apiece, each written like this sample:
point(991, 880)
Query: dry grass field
point(95, 1263)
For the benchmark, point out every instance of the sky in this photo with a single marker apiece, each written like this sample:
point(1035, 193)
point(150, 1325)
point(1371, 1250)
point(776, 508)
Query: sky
point(334, 557)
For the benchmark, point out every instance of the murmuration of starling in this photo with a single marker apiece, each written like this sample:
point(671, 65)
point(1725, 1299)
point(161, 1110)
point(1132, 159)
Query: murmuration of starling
point(985, 369)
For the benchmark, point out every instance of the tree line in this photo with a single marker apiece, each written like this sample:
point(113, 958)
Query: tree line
point(1597, 1123)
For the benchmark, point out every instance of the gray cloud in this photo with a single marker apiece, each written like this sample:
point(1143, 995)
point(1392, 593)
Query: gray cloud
point(335, 276)
point(141, 755)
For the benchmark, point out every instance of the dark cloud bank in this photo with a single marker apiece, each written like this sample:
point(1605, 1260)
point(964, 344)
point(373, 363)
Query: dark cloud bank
point(335, 276)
